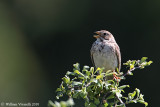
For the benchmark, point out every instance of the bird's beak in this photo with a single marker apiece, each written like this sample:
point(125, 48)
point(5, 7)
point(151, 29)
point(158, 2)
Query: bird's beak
point(98, 34)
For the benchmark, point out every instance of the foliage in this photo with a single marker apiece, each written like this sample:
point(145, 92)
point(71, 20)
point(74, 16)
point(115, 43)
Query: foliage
point(67, 103)
point(101, 89)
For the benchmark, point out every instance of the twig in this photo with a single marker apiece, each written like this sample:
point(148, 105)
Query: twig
point(130, 71)
point(88, 84)
point(120, 100)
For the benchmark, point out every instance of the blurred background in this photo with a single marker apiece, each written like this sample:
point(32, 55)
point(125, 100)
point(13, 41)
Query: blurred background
point(41, 40)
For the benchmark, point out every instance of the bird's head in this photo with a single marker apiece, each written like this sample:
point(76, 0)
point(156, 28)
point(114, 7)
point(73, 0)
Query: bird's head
point(104, 35)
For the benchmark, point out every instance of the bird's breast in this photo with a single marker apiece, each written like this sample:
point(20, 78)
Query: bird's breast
point(104, 56)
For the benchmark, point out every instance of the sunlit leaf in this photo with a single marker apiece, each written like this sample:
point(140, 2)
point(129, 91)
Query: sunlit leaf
point(58, 89)
point(143, 59)
point(129, 73)
point(123, 86)
point(99, 76)
point(131, 66)
point(149, 63)
point(66, 79)
point(70, 73)
point(132, 95)
point(92, 70)
point(141, 97)
point(118, 94)
point(77, 72)
point(106, 105)
point(77, 83)
point(138, 92)
point(143, 102)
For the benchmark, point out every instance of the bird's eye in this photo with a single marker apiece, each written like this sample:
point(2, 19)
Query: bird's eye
point(104, 33)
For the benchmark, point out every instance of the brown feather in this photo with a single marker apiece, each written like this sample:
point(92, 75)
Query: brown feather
point(92, 60)
point(118, 54)
point(91, 51)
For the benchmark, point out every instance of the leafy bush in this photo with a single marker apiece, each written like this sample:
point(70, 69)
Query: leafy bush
point(98, 88)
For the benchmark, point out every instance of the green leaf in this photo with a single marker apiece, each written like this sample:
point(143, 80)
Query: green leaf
point(86, 104)
point(141, 97)
point(63, 104)
point(92, 70)
point(98, 69)
point(123, 86)
point(58, 89)
point(126, 98)
point(110, 81)
point(96, 101)
point(57, 97)
point(111, 96)
point(133, 62)
point(61, 86)
point(70, 73)
point(149, 63)
point(77, 72)
point(99, 77)
point(70, 102)
point(76, 93)
point(57, 104)
point(146, 104)
point(59, 94)
point(143, 102)
point(106, 105)
point(76, 65)
point(66, 79)
point(132, 95)
point(92, 105)
point(127, 63)
point(67, 103)
point(109, 74)
point(107, 85)
point(94, 80)
point(50, 103)
point(143, 59)
point(84, 89)
point(68, 92)
point(132, 101)
point(82, 78)
point(101, 70)
point(138, 92)
point(88, 73)
point(129, 73)
point(83, 93)
point(76, 83)
point(121, 105)
point(119, 95)
point(85, 67)
point(131, 66)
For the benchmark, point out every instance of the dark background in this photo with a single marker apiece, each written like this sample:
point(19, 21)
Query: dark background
point(41, 39)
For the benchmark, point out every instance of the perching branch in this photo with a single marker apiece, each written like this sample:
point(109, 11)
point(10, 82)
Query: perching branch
point(100, 89)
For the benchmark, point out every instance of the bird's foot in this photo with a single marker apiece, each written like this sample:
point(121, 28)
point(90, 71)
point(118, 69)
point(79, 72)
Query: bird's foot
point(115, 77)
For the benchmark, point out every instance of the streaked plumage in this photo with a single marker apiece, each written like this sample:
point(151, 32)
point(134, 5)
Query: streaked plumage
point(105, 51)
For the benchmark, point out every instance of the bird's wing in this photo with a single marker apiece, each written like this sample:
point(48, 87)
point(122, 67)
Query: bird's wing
point(92, 59)
point(118, 54)
point(92, 52)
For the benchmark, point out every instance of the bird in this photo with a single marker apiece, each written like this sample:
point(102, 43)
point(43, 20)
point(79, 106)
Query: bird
point(105, 52)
